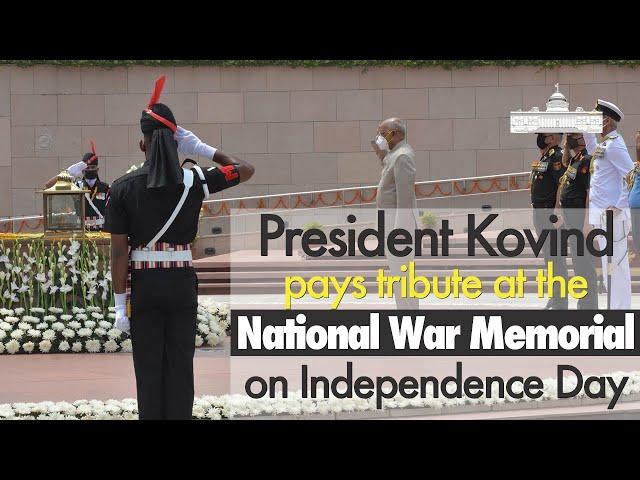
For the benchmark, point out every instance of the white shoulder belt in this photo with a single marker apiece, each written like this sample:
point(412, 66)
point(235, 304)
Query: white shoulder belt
point(148, 255)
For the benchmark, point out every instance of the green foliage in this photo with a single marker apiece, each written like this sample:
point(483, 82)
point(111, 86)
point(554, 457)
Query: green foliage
point(447, 64)
point(429, 220)
point(313, 225)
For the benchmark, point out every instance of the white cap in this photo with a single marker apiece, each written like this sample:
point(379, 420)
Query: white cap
point(609, 109)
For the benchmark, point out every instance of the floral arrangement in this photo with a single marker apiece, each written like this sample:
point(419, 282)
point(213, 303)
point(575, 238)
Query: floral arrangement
point(89, 330)
point(233, 406)
point(58, 275)
point(58, 298)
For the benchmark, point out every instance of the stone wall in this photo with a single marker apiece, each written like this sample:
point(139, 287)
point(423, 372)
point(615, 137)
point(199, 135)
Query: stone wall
point(303, 128)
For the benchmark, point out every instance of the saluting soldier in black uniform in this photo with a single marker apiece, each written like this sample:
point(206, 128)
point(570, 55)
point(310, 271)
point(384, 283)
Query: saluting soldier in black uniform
point(574, 191)
point(152, 216)
point(86, 175)
point(545, 178)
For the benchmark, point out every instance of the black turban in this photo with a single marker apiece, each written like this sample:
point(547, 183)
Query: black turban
point(162, 158)
point(88, 156)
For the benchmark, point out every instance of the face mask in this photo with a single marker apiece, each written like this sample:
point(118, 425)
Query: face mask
point(91, 175)
point(382, 143)
point(541, 141)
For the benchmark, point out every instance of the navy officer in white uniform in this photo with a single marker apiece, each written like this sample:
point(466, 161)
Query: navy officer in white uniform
point(608, 191)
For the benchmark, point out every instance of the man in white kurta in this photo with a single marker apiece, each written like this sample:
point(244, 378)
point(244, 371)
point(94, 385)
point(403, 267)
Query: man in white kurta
point(608, 191)
point(396, 194)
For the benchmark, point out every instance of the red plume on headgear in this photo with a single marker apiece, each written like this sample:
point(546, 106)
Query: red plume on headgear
point(155, 96)
point(93, 150)
point(157, 91)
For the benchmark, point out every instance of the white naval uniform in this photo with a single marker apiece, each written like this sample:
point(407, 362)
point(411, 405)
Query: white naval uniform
point(396, 196)
point(608, 188)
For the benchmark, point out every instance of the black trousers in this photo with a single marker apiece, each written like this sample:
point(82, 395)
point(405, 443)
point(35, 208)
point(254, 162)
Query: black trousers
point(164, 305)
point(541, 222)
point(583, 265)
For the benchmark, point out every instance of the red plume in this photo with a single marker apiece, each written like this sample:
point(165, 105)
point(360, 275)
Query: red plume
point(94, 157)
point(157, 91)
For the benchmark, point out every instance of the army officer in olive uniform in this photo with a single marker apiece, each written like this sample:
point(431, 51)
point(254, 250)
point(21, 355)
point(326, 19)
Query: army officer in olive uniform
point(545, 179)
point(574, 191)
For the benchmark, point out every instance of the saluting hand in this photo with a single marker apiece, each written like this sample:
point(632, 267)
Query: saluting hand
point(190, 144)
point(376, 149)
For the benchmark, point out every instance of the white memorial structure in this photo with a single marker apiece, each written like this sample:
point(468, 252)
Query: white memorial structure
point(557, 118)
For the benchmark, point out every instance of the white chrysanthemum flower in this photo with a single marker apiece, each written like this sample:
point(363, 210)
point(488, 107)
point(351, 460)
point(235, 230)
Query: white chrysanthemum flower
point(17, 334)
point(57, 326)
point(204, 329)
point(90, 324)
point(100, 332)
point(104, 324)
point(12, 320)
point(24, 326)
point(30, 319)
point(75, 325)
point(56, 310)
point(93, 346)
point(2, 349)
point(42, 326)
point(38, 310)
point(97, 315)
point(126, 346)
point(44, 346)
point(94, 309)
point(66, 317)
point(3, 334)
point(48, 335)
point(114, 333)
point(199, 341)
point(110, 346)
point(112, 316)
point(12, 347)
point(81, 316)
point(50, 318)
point(6, 326)
point(75, 310)
point(19, 311)
point(6, 312)
point(68, 333)
point(85, 332)
point(64, 346)
point(34, 333)
point(28, 347)
point(76, 347)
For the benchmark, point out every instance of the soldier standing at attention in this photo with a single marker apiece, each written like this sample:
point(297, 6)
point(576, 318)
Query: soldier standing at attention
point(152, 216)
point(574, 190)
point(545, 178)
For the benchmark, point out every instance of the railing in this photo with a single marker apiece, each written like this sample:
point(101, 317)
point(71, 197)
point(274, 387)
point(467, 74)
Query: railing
point(21, 224)
point(338, 197)
point(366, 195)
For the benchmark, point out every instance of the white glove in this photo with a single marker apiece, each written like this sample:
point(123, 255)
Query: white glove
point(190, 144)
point(122, 321)
point(76, 169)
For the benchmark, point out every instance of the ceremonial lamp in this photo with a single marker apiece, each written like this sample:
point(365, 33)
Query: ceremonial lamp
point(557, 118)
point(63, 206)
